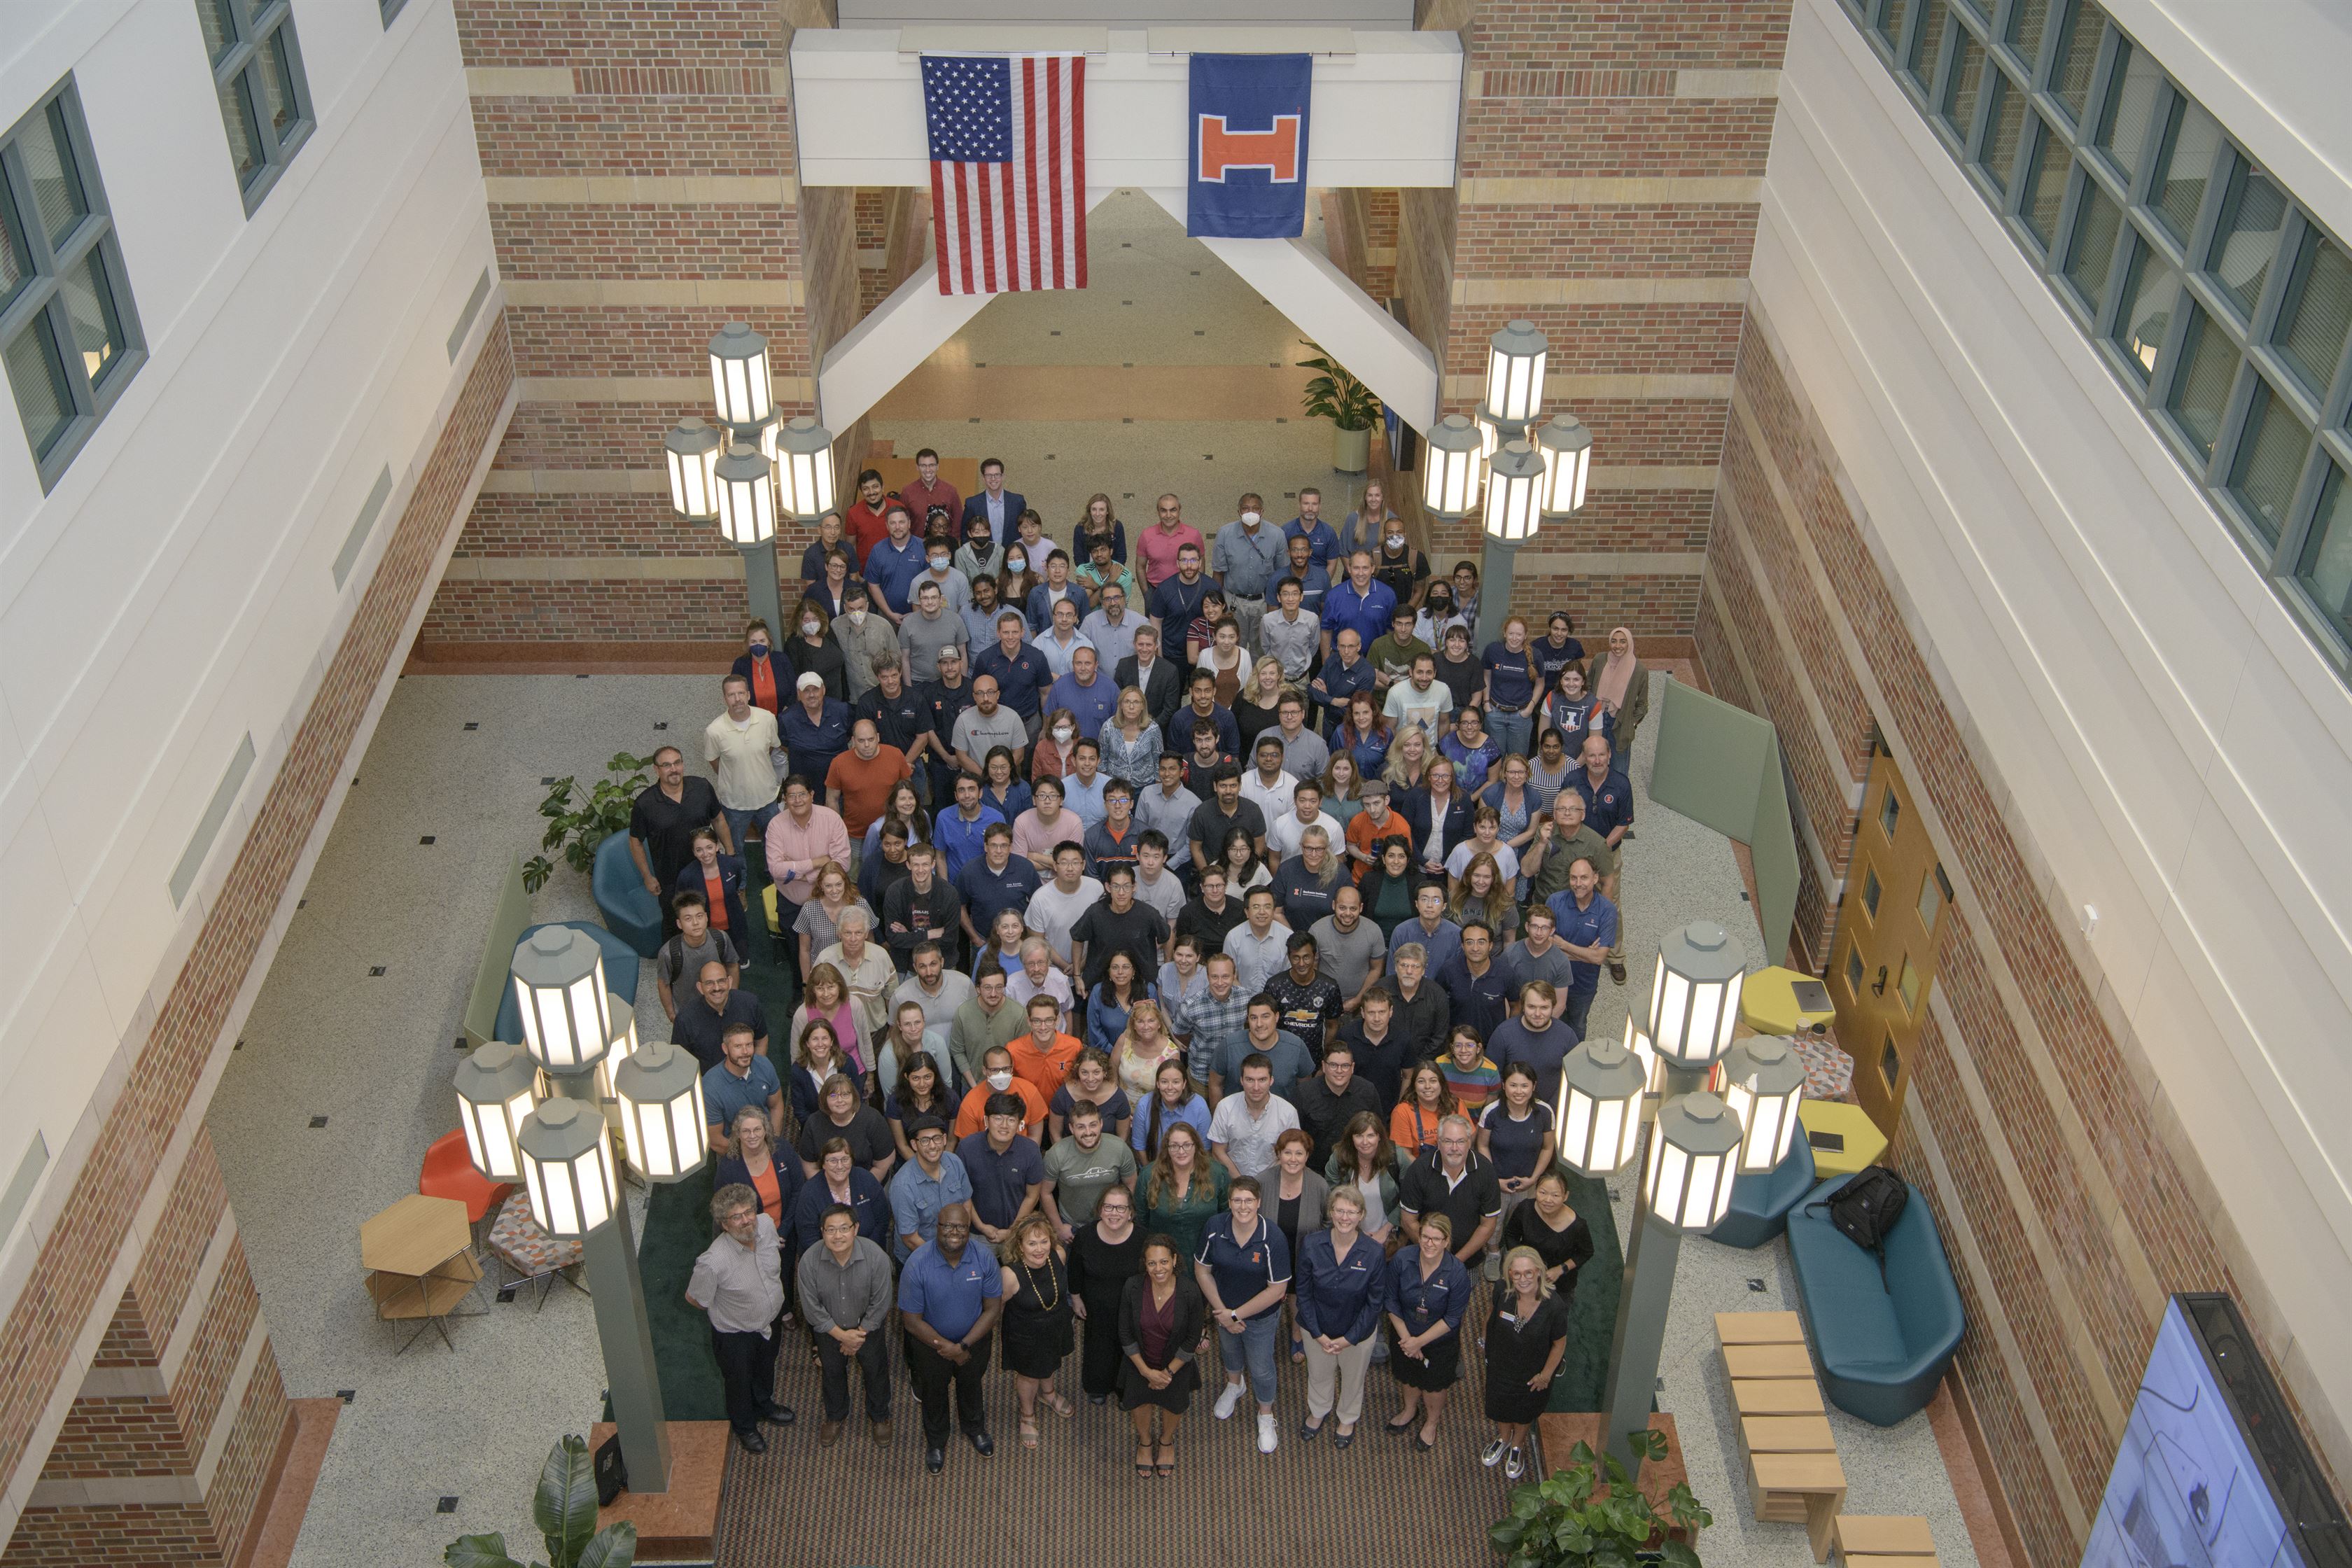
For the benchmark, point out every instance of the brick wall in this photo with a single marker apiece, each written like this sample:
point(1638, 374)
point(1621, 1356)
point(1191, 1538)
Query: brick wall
point(2067, 1211)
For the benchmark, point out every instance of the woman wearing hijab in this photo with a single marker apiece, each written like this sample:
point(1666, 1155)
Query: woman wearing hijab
point(1621, 687)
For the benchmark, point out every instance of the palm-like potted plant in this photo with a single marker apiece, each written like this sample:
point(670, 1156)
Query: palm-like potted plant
point(1566, 1521)
point(564, 1508)
point(1349, 404)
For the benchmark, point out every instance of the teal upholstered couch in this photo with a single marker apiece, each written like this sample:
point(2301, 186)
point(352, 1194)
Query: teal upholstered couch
point(1761, 1202)
point(621, 969)
point(1882, 1346)
point(630, 912)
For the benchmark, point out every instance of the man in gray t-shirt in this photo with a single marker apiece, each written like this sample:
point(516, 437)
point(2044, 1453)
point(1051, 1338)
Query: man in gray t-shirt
point(1353, 955)
point(679, 961)
point(1082, 1167)
point(978, 731)
point(1539, 956)
point(931, 627)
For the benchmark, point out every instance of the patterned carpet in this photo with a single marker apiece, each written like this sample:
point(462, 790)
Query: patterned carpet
point(1076, 1502)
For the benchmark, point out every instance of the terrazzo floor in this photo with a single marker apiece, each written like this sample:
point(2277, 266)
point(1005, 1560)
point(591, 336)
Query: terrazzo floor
point(461, 760)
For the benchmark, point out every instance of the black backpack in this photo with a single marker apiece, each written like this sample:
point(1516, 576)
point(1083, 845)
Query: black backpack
point(612, 1473)
point(1864, 1211)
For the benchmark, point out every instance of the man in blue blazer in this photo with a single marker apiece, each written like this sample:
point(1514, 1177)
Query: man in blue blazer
point(1001, 507)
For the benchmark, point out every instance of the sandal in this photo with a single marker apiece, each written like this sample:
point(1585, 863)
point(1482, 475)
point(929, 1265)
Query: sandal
point(1028, 1431)
point(1168, 1461)
point(1143, 1459)
point(1059, 1404)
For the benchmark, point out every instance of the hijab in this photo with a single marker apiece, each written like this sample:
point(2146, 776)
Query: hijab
point(1616, 676)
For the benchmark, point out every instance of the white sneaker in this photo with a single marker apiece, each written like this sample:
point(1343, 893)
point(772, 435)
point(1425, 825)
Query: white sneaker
point(1494, 1453)
point(1228, 1401)
point(1516, 1464)
point(1265, 1437)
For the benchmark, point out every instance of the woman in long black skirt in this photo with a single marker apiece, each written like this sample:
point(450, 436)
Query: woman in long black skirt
point(1527, 1333)
point(1107, 1252)
point(1161, 1315)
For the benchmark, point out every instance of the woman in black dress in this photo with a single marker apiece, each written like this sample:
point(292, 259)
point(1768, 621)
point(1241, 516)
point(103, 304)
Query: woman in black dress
point(1038, 1313)
point(1556, 1233)
point(1527, 1332)
point(1107, 1253)
point(1162, 1314)
point(1429, 1292)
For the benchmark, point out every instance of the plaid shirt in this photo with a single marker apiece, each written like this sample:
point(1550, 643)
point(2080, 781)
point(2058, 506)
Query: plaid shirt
point(1211, 1024)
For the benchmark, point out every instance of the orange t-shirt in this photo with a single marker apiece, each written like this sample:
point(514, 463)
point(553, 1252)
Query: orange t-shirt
point(1044, 1071)
point(973, 1115)
point(1412, 1134)
point(865, 787)
point(1363, 836)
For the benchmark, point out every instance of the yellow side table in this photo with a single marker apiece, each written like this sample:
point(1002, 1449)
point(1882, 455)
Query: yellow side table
point(1777, 1001)
point(1849, 1125)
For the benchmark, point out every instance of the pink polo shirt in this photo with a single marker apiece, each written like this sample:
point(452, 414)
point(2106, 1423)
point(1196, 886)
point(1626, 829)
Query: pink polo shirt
point(796, 849)
point(1158, 547)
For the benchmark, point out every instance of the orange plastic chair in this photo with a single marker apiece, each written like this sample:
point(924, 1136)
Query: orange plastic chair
point(449, 1172)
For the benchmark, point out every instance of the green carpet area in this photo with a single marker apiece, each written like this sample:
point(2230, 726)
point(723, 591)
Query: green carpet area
point(1592, 1320)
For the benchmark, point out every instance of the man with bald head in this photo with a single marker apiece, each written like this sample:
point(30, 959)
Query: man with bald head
point(859, 781)
point(706, 1014)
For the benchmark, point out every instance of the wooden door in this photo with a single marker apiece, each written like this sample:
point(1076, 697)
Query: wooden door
point(1883, 956)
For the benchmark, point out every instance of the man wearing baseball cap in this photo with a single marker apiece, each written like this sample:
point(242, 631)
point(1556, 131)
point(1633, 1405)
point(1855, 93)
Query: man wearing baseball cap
point(815, 730)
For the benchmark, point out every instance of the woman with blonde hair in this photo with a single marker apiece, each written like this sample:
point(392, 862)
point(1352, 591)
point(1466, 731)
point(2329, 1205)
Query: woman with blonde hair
point(819, 919)
point(1141, 1046)
point(1483, 893)
point(1131, 742)
point(1037, 1330)
point(1408, 761)
point(1255, 709)
point(1098, 522)
point(1527, 1333)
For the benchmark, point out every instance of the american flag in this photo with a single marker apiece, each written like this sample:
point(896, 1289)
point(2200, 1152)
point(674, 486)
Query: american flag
point(1008, 139)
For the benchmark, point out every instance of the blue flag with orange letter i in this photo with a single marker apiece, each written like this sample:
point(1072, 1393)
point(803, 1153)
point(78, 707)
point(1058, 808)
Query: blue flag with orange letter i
point(1249, 146)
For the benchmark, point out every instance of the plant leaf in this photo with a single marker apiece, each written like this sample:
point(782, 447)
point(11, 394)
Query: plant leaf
point(565, 1508)
point(478, 1552)
point(615, 1546)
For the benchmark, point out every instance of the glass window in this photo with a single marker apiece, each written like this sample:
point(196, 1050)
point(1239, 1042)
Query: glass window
point(1891, 17)
point(2045, 182)
point(1853, 971)
point(57, 192)
point(2092, 251)
point(1961, 93)
point(2201, 390)
point(43, 398)
point(2151, 291)
point(1927, 47)
point(2246, 234)
point(2192, 142)
point(1870, 893)
point(97, 334)
point(2004, 125)
point(2077, 55)
point(2316, 311)
point(2124, 119)
point(1935, 892)
point(1890, 1063)
point(2023, 33)
point(2326, 569)
point(258, 75)
point(1890, 813)
point(1912, 983)
point(16, 255)
point(2269, 460)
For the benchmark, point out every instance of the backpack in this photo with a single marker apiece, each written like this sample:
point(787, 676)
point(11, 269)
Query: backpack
point(1864, 1211)
point(612, 1473)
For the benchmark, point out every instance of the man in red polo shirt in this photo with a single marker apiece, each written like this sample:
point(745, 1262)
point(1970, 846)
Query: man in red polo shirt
point(859, 784)
point(863, 521)
point(929, 491)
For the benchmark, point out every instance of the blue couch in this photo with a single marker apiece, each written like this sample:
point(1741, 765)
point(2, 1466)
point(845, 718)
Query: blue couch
point(1761, 1202)
point(630, 912)
point(1883, 1348)
point(620, 968)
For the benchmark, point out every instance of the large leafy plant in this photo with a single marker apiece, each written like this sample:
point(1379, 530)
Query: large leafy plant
point(1335, 396)
point(1567, 1521)
point(565, 1511)
point(576, 826)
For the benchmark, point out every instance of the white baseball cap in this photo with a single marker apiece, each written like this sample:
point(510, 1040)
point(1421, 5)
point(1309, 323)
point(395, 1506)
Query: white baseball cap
point(805, 682)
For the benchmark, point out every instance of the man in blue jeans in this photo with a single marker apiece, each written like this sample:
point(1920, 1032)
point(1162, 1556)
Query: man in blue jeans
point(1243, 1270)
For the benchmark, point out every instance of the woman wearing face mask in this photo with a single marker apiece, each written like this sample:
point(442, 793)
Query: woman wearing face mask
point(1021, 575)
point(1050, 758)
point(1437, 613)
point(769, 673)
point(865, 636)
point(979, 555)
point(814, 651)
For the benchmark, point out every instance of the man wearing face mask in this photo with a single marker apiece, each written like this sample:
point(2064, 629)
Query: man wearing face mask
point(865, 636)
point(1246, 558)
point(1399, 565)
point(955, 588)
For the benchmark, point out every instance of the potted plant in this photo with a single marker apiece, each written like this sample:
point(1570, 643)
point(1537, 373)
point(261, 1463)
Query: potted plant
point(565, 1512)
point(1349, 404)
point(578, 826)
point(1568, 1520)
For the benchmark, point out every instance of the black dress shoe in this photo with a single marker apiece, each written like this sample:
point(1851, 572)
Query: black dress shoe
point(752, 1442)
point(935, 1459)
point(1342, 1439)
point(982, 1443)
point(776, 1415)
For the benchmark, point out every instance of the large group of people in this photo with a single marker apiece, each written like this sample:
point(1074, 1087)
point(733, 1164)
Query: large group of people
point(1188, 934)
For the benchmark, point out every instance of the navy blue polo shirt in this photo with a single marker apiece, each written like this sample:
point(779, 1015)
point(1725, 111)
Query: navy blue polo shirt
point(999, 1181)
point(1478, 1000)
point(812, 746)
point(1242, 1269)
point(1019, 677)
point(949, 1297)
point(1593, 927)
point(1607, 807)
point(1336, 682)
point(986, 892)
point(900, 718)
point(891, 570)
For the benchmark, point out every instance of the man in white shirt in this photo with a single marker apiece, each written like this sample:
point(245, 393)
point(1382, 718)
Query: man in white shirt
point(1244, 1127)
point(1282, 835)
point(740, 748)
point(1270, 785)
point(1259, 946)
point(1054, 908)
point(1111, 628)
point(1421, 698)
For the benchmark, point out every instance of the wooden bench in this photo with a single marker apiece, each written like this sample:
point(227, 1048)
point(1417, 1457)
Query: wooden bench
point(1793, 1473)
point(1759, 1329)
point(1799, 1489)
point(1883, 1540)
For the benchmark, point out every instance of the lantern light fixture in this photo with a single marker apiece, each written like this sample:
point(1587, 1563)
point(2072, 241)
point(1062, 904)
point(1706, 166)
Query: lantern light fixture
point(1693, 1158)
point(738, 376)
point(1566, 447)
point(559, 981)
point(802, 450)
point(1761, 1080)
point(747, 496)
point(692, 448)
point(1599, 1112)
point(498, 1088)
point(567, 1167)
point(1695, 993)
point(1514, 487)
point(1515, 373)
point(660, 1093)
point(623, 1046)
point(1654, 1066)
point(1451, 469)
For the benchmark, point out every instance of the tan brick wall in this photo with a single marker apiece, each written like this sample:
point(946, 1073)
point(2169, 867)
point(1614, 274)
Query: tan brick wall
point(2069, 1214)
